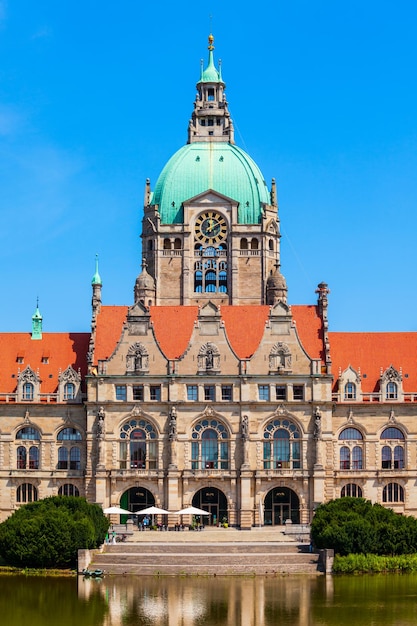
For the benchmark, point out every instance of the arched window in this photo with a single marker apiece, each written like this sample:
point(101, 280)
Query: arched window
point(27, 394)
point(344, 458)
point(391, 392)
point(69, 391)
point(392, 451)
point(28, 432)
point(26, 493)
point(351, 491)
point(350, 434)
point(167, 244)
point(138, 448)
point(68, 490)
point(75, 458)
point(244, 244)
point(281, 447)
point(33, 457)
point(271, 245)
point(393, 492)
point(254, 244)
point(62, 458)
point(21, 457)
point(357, 458)
point(351, 452)
point(69, 434)
point(210, 445)
point(177, 243)
point(350, 391)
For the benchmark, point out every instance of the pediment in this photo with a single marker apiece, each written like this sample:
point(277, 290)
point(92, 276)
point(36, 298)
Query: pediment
point(209, 197)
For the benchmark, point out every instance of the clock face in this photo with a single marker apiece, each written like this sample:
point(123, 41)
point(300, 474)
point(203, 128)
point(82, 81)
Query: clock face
point(210, 227)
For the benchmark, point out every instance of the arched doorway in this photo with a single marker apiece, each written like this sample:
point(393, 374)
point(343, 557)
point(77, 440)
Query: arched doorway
point(137, 498)
point(213, 501)
point(280, 505)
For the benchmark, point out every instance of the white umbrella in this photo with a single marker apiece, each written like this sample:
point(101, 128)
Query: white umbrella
point(152, 510)
point(192, 510)
point(116, 510)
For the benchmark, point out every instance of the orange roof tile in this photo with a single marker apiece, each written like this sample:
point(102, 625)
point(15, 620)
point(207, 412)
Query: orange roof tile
point(245, 326)
point(309, 328)
point(61, 350)
point(372, 351)
point(110, 321)
point(173, 326)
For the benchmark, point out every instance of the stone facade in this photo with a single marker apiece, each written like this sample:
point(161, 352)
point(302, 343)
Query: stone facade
point(210, 389)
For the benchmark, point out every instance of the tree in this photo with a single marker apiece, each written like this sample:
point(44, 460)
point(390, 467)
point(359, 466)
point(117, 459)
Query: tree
point(356, 526)
point(49, 533)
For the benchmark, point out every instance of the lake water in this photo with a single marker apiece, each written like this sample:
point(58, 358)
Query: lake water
point(288, 601)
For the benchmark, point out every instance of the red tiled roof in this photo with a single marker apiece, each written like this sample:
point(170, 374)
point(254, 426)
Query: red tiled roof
point(173, 327)
point(61, 350)
point(245, 326)
point(110, 321)
point(309, 328)
point(370, 352)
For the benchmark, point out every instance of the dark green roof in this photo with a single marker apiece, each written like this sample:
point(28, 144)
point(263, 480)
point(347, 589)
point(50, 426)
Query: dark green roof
point(222, 167)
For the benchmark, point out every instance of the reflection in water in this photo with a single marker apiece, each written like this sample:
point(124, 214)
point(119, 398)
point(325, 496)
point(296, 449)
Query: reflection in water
point(196, 601)
point(209, 601)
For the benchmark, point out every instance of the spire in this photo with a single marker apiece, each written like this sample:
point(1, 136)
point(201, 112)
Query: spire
point(210, 119)
point(37, 322)
point(97, 285)
point(210, 74)
point(96, 278)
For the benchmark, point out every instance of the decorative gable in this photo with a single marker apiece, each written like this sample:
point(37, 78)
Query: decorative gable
point(69, 386)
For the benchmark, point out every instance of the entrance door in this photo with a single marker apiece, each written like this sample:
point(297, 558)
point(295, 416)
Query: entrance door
point(281, 514)
point(280, 504)
point(214, 501)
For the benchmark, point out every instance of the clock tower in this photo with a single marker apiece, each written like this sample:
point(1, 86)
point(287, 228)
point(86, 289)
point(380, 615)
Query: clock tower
point(211, 227)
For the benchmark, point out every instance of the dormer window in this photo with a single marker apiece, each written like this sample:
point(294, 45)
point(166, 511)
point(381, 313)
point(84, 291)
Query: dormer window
point(28, 392)
point(350, 391)
point(391, 391)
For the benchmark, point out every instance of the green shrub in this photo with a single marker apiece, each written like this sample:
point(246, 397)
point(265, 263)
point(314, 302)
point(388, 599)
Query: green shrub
point(356, 526)
point(50, 532)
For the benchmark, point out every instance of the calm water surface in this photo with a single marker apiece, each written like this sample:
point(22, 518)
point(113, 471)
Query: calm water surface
point(351, 601)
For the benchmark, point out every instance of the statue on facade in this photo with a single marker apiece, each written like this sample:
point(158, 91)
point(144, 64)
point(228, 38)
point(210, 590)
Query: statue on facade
point(172, 424)
point(245, 428)
point(100, 423)
point(209, 359)
point(317, 423)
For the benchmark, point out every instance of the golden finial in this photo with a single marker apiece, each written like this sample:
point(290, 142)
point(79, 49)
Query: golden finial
point(210, 40)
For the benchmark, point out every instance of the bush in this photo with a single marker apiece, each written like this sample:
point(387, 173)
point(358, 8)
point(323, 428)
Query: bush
point(356, 526)
point(50, 532)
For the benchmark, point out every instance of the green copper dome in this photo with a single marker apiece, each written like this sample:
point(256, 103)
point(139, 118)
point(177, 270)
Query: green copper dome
point(200, 166)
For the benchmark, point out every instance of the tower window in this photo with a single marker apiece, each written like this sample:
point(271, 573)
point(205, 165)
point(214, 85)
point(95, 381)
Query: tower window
point(155, 392)
point(210, 95)
point(209, 392)
point(210, 121)
point(121, 392)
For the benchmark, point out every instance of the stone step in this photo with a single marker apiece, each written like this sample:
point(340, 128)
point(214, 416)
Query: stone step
point(215, 535)
point(228, 558)
point(206, 547)
point(256, 567)
point(198, 559)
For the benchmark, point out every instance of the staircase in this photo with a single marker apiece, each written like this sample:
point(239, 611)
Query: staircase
point(216, 552)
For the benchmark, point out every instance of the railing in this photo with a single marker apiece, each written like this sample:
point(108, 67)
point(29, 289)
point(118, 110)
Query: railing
point(250, 252)
point(374, 397)
point(174, 252)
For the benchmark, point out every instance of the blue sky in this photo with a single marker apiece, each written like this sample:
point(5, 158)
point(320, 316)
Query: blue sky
point(96, 96)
